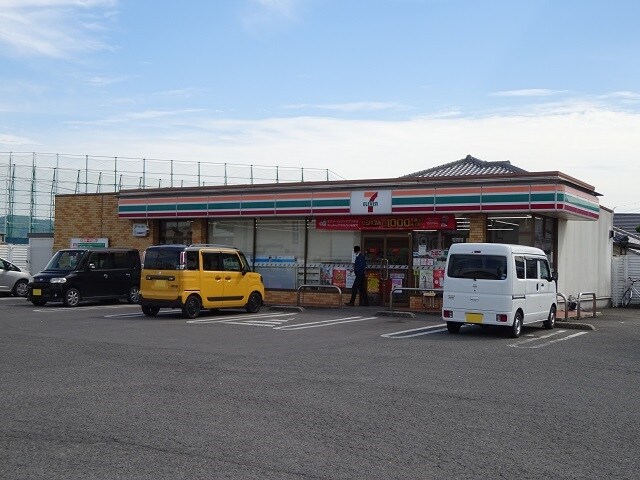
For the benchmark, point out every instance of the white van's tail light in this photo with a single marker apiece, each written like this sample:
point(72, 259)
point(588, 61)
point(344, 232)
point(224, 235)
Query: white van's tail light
point(447, 313)
point(501, 317)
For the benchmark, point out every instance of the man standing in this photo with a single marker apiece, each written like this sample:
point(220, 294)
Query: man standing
point(359, 285)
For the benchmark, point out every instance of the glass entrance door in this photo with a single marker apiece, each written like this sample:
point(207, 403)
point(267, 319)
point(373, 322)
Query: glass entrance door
point(388, 258)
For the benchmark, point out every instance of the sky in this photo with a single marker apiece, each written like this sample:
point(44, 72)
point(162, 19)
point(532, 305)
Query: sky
point(364, 88)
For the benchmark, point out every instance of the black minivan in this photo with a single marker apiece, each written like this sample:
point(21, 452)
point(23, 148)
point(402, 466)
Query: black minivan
point(79, 274)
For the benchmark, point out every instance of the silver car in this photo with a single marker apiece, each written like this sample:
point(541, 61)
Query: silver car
point(12, 279)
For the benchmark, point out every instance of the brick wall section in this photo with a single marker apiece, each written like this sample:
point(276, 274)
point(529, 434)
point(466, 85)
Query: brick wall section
point(199, 230)
point(478, 227)
point(96, 215)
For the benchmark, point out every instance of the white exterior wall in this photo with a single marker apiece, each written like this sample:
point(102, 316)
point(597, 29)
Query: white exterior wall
point(585, 254)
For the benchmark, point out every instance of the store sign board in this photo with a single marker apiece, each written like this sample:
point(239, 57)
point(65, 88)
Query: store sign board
point(388, 222)
point(371, 202)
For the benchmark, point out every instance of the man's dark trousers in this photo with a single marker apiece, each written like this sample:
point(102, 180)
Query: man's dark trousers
point(359, 286)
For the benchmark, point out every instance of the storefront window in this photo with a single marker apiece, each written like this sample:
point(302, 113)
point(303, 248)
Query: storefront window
point(237, 233)
point(534, 231)
point(430, 249)
point(514, 229)
point(175, 232)
point(280, 251)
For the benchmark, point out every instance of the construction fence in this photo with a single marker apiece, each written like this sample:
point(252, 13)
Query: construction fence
point(32, 180)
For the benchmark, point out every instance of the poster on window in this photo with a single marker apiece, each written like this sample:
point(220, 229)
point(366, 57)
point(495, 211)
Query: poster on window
point(326, 274)
point(373, 282)
point(339, 277)
point(396, 280)
point(438, 277)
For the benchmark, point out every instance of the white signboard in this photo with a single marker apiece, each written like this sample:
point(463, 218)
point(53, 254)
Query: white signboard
point(89, 242)
point(140, 230)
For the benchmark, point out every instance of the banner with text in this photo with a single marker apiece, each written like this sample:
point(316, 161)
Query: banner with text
point(388, 222)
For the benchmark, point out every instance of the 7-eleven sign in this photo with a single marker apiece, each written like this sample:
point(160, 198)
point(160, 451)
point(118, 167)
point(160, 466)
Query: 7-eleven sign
point(371, 202)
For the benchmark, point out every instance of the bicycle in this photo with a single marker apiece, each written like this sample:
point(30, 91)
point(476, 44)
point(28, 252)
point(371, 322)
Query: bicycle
point(631, 291)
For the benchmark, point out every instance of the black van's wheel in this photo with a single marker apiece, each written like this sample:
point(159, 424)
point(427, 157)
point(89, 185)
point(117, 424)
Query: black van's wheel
point(453, 327)
point(21, 288)
point(38, 302)
point(150, 311)
point(516, 329)
point(550, 322)
point(134, 294)
point(71, 297)
point(191, 308)
point(254, 303)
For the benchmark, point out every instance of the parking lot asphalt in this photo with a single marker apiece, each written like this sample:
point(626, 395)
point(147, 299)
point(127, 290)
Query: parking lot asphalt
point(101, 391)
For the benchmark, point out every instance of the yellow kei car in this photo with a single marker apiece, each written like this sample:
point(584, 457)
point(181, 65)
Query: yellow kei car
point(197, 277)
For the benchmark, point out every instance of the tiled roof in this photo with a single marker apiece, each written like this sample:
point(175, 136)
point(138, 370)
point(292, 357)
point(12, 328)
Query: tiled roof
point(468, 166)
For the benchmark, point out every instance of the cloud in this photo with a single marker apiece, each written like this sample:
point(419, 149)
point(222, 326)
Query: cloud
point(53, 28)
point(588, 141)
point(132, 118)
point(528, 92)
point(14, 141)
point(349, 107)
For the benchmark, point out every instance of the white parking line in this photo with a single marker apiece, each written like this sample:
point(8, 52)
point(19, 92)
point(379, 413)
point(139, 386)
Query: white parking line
point(416, 332)
point(543, 343)
point(324, 323)
point(534, 338)
point(559, 340)
point(239, 319)
point(62, 309)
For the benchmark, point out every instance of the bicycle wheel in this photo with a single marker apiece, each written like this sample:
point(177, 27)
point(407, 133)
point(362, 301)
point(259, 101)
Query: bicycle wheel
point(626, 297)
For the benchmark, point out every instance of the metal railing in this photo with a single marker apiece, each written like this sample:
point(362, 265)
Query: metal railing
point(580, 299)
point(410, 289)
point(319, 287)
point(566, 305)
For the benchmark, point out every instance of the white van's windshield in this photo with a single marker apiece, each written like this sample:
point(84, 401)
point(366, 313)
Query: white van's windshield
point(486, 267)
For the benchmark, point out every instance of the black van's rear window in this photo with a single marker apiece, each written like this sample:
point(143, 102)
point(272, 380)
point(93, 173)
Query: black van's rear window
point(486, 267)
point(162, 259)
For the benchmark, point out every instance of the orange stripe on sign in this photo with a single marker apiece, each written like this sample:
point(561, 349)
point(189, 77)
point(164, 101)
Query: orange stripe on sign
point(225, 198)
point(295, 196)
point(331, 195)
point(503, 189)
point(457, 191)
point(412, 193)
point(546, 188)
point(258, 197)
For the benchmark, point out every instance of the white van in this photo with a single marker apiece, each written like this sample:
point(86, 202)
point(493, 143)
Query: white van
point(498, 284)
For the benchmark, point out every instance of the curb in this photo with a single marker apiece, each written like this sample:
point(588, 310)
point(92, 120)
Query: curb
point(398, 314)
point(574, 325)
point(286, 308)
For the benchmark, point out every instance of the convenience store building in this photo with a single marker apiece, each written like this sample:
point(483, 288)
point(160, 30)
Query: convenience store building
point(303, 233)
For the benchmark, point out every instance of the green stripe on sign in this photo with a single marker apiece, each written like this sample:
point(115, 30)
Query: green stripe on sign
point(464, 199)
point(412, 201)
point(505, 198)
point(224, 206)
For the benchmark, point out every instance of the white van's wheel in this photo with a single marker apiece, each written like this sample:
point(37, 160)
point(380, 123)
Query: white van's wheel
point(550, 322)
point(453, 327)
point(516, 328)
point(191, 308)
